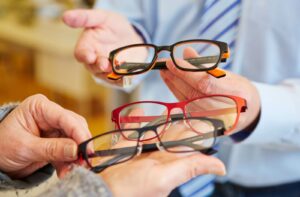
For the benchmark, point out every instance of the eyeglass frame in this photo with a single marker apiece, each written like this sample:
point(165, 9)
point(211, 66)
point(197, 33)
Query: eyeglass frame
point(214, 71)
point(83, 155)
point(241, 106)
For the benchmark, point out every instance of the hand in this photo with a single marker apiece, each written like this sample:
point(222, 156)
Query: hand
point(37, 132)
point(187, 85)
point(158, 173)
point(103, 32)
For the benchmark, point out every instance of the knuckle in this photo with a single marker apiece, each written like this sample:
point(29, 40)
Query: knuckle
point(50, 150)
point(78, 54)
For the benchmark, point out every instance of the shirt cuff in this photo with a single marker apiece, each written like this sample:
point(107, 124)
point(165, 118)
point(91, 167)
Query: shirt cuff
point(79, 182)
point(278, 114)
point(134, 82)
point(6, 109)
point(41, 175)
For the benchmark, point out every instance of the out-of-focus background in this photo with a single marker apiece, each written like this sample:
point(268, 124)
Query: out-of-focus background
point(36, 56)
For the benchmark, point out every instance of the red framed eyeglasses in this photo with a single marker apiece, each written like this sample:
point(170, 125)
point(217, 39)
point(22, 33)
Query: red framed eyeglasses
point(226, 108)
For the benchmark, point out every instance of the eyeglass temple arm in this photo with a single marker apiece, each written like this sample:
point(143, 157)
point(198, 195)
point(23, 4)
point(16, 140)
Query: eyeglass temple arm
point(197, 61)
point(132, 66)
point(219, 130)
point(139, 119)
point(108, 163)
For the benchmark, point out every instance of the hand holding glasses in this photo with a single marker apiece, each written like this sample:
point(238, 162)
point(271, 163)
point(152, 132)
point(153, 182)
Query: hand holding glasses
point(113, 147)
point(205, 117)
point(189, 55)
point(222, 107)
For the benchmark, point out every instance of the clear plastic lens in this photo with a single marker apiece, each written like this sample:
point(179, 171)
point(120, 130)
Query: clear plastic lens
point(180, 137)
point(196, 55)
point(221, 111)
point(112, 148)
point(133, 59)
point(143, 115)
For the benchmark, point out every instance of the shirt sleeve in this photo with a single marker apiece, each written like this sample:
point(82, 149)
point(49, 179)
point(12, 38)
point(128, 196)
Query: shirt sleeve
point(80, 182)
point(279, 124)
point(6, 183)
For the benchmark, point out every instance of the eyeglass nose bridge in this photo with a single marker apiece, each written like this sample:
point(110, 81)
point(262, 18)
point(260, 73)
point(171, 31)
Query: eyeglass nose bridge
point(163, 48)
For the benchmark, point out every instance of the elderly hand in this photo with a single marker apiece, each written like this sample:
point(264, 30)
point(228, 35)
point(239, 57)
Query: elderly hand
point(103, 32)
point(187, 85)
point(39, 131)
point(158, 173)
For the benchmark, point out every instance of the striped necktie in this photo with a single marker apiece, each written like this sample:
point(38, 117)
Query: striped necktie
point(219, 21)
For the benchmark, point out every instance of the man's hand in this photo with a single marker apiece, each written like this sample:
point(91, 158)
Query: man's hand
point(37, 132)
point(103, 32)
point(158, 173)
point(188, 85)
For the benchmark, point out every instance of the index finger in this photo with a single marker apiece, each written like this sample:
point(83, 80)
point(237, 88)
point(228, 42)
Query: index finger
point(49, 115)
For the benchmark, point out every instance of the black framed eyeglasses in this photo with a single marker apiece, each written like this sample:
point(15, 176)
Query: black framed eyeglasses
point(113, 147)
point(188, 55)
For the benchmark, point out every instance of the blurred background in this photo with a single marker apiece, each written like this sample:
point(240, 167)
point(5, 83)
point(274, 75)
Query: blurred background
point(36, 56)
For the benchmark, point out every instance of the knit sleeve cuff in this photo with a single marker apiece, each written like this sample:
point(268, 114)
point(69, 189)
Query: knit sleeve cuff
point(80, 182)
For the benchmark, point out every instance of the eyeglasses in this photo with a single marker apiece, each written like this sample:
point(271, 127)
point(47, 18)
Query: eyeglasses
point(113, 147)
point(222, 107)
point(188, 55)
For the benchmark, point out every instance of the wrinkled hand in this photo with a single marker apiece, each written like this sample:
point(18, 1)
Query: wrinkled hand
point(187, 85)
point(103, 32)
point(37, 132)
point(158, 173)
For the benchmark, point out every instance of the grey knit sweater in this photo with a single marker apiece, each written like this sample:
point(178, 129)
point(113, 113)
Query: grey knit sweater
point(79, 182)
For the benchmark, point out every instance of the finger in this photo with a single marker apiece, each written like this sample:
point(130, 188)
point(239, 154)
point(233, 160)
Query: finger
point(85, 53)
point(180, 88)
point(200, 81)
point(83, 18)
point(62, 168)
point(49, 115)
point(188, 168)
point(53, 149)
point(189, 52)
point(177, 93)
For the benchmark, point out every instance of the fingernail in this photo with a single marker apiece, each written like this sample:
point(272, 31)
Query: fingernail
point(218, 170)
point(70, 151)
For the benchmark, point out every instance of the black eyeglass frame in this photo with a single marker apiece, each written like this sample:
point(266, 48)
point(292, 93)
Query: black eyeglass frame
point(224, 54)
point(219, 130)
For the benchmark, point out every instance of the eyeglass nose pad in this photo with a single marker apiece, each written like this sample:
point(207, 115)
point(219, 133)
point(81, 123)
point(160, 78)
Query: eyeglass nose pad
point(186, 123)
point(139, 150)
point(159, 147)
point(168, 126)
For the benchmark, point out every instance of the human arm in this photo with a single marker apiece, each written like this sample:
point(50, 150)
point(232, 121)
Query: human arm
point(35, 133)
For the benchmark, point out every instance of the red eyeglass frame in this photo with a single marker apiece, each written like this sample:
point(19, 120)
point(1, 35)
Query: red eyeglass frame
point(241, 106)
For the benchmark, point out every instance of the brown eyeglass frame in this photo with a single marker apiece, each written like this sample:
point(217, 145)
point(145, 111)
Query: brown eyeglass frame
point(213, 70)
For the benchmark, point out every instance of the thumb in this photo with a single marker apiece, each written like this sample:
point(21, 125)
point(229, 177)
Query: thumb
point(83, 18)
point(54, 149)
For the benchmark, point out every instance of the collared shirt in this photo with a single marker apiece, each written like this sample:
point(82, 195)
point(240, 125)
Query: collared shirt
point(267, 52)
